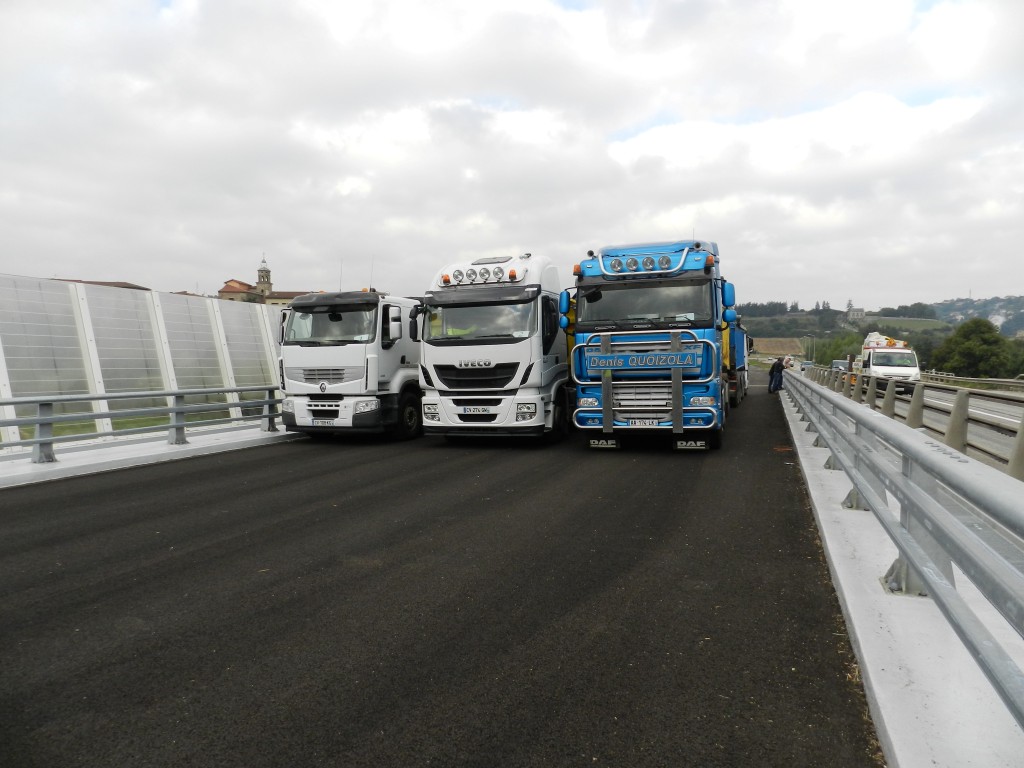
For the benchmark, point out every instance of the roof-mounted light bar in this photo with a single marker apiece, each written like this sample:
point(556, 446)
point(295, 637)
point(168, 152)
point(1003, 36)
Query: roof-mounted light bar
point(487, 271)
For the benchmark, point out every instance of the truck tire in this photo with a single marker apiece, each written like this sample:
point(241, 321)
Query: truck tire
point(410, 417)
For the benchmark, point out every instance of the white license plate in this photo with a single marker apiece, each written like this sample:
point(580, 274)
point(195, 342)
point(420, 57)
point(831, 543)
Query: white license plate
point(323, 422)
point(476, 409)
point(642, 422)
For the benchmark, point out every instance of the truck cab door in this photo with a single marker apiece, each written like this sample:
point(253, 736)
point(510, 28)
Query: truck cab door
point(554, 354)
point(390, 349)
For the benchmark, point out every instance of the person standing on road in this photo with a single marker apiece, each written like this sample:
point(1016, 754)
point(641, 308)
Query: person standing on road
point(775, 376)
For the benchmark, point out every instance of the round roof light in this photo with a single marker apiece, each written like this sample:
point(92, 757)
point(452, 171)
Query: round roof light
point(616, 265)
point(664, 262)
point(471, 275)
point(498, 273)
point(632, 264)
point(458, 276)
point(648, 262)
point(485, 273)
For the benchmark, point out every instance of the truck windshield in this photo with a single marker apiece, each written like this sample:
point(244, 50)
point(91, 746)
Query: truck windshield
point(892, 359)
point(480, 323)
point(669, 303)
point(329, 326)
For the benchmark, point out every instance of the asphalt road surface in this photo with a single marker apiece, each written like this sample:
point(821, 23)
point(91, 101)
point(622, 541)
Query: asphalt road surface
point(365, 603)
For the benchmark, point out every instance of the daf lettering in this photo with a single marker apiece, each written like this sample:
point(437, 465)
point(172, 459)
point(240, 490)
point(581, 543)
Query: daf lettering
point(690, 445)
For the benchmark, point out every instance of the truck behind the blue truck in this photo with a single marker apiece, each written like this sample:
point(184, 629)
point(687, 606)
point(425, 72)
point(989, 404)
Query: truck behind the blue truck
point(653, 324)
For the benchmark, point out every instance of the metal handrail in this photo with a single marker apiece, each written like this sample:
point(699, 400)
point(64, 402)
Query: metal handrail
point(963, 424)
point(44, 419)
point(952, 510)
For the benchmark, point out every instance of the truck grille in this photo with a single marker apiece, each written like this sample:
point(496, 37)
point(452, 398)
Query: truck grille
point(497, 377)
point(330, 375)
point(633, 401)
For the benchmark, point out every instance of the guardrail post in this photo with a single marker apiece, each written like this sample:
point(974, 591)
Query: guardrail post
point(915, 414)
point(871, 398)
point(268, 422)
point(1015, 465)
point(847, 385)
point(889, 401)
point(956, 432)
point(176, 431)
point(42, 453)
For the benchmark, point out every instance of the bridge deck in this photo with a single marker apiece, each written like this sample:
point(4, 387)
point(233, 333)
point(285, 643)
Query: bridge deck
point(366, 603)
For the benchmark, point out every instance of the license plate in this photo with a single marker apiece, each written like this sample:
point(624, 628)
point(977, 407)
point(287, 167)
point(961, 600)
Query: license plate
point(476, 409)
point(642, 422)
point(323, 422)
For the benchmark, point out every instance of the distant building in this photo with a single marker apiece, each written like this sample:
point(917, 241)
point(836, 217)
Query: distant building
point(261, 293)
point(855, 314)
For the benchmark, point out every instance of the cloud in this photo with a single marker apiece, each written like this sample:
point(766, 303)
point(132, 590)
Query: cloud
point(823, 145)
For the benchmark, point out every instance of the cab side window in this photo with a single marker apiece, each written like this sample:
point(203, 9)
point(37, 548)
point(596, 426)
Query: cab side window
point(549, 322)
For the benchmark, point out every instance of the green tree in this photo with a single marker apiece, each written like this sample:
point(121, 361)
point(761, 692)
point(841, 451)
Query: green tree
point(975, 350)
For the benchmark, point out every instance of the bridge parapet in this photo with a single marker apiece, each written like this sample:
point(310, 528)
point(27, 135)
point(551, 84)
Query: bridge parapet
point(944, 512)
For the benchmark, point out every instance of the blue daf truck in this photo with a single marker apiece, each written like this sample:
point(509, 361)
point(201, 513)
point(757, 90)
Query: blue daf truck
point(648, 354)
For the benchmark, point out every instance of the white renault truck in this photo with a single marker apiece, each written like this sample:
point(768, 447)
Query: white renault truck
point(349, 364)
point(493, 361)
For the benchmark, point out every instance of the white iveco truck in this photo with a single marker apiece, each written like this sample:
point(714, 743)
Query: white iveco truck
point(492, 360)
point(348, 365)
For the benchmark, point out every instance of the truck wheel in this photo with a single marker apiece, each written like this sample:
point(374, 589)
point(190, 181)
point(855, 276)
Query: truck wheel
point(410, 418)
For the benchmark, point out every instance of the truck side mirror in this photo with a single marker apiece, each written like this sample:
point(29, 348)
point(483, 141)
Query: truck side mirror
point(729, 315)
point(284, 322)
point(563, 303)
point(394, 323)
point(728, 294)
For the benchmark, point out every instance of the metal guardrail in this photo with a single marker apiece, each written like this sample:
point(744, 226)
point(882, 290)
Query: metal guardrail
point(176, 411)
point(1005, 385)
point(983, 424)
point(951, 511)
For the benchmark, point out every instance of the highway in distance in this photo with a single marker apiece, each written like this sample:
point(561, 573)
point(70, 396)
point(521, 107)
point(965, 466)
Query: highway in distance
point(365, 603)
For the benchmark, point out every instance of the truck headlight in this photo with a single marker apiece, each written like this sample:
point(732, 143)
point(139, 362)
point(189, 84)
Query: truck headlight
point(587, 402)
point(430, 408)
point(365, 406)
point(705, 400)
point(525, 411)
point(288, 405)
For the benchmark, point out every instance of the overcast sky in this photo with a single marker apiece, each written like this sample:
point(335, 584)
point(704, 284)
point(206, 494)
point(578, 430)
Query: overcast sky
point(870, 151)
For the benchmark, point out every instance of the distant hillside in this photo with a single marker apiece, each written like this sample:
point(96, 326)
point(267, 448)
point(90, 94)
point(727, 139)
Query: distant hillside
point(904, 323)
point(1006, 312)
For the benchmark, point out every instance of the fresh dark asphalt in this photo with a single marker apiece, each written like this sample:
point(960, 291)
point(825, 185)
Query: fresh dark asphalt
point(365, 603)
